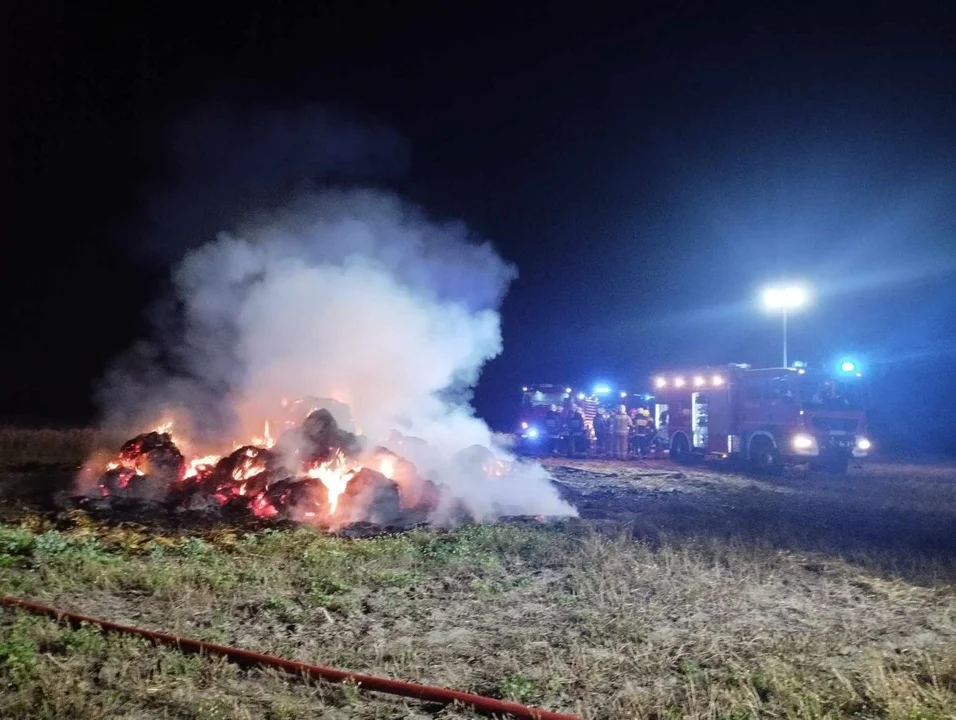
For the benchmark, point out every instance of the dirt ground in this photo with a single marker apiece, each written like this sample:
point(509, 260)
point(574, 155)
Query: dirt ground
point(679, 592)
point(895, 518)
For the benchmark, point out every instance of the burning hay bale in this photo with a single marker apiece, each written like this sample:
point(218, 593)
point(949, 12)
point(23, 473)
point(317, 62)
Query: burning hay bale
point(415, 492)
point(375, 495)
point(301, 500)
point(154, 453)
point(322, 437)
point(253, 468)
point(145, 465)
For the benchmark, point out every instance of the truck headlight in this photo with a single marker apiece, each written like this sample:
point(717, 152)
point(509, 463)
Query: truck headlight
point(804, 442)
point(863, 444)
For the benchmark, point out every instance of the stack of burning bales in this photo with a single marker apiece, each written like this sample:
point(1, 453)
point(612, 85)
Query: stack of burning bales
point(317, 473)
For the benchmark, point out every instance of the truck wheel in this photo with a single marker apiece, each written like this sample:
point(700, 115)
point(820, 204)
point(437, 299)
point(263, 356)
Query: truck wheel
point(680, 450)
point(764, 457)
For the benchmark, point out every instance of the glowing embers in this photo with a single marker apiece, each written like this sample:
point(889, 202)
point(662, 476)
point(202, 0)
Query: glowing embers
point(201, 466)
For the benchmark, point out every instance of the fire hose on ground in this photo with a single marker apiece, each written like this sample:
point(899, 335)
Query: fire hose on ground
point(247, 658)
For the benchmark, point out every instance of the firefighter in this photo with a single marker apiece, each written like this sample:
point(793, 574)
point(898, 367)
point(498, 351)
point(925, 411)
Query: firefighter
point(602, 431)
point(609, 413)
point(552, 426)
point(621, 425)
point(644, 430)
point(577, 440)
point(633, 442)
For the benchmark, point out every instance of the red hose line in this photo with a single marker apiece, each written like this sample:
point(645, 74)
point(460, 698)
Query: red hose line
point(245, 657)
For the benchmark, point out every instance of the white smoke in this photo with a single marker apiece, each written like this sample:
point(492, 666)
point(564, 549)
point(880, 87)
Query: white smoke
point(353, 296)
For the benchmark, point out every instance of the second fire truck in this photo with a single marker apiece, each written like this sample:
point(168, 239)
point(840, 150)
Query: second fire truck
point(767, 417)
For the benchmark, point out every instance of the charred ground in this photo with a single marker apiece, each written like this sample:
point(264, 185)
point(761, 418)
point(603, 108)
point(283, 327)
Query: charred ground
point(680, 592)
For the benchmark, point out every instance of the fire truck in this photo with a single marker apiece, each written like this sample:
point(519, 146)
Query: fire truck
point(533, 434)
point(764, 417)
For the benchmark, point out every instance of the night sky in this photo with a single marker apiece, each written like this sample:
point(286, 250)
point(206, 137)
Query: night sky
point(647, 172)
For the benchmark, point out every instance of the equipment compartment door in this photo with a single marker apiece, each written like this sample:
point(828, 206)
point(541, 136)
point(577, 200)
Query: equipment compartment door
point(699, 419)
point(719, 419)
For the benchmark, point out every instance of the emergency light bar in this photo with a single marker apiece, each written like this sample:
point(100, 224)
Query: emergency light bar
point(848, 365)
point(679, 381)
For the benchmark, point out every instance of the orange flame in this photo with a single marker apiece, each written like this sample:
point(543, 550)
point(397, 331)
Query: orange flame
point(266, 441)
point(249, 467)
point(387, 467)
point(125, 465)
point(335, 475)
point(201, 464)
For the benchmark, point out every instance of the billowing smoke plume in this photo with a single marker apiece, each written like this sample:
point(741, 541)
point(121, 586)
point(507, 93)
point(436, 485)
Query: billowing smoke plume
point(349, 295)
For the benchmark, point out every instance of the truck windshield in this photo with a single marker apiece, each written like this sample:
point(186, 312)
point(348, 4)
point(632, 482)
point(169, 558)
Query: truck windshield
point(823, 393)
point(538, 398)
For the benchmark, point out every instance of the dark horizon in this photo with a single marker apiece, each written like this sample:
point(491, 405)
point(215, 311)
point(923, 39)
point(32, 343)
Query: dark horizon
point(647, 172)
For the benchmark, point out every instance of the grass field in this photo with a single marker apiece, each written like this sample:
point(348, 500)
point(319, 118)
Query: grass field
point(679, 593)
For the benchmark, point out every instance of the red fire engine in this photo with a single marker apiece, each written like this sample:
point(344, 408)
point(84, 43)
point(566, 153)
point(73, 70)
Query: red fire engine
point(767, 417)
point(537, 431)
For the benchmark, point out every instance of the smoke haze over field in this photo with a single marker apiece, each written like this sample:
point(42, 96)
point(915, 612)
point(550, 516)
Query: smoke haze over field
point(351, 295)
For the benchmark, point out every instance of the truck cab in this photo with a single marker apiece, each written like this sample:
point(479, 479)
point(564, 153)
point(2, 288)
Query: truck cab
point(766, 417)
point(539, 417)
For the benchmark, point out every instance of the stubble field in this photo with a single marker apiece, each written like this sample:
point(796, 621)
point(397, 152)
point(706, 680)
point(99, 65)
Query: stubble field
point(680, 592)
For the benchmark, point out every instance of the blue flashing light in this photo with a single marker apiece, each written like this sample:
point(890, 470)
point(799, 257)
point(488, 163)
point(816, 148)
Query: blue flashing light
point(532, 433)
point(602, 389)
point(848, 366)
